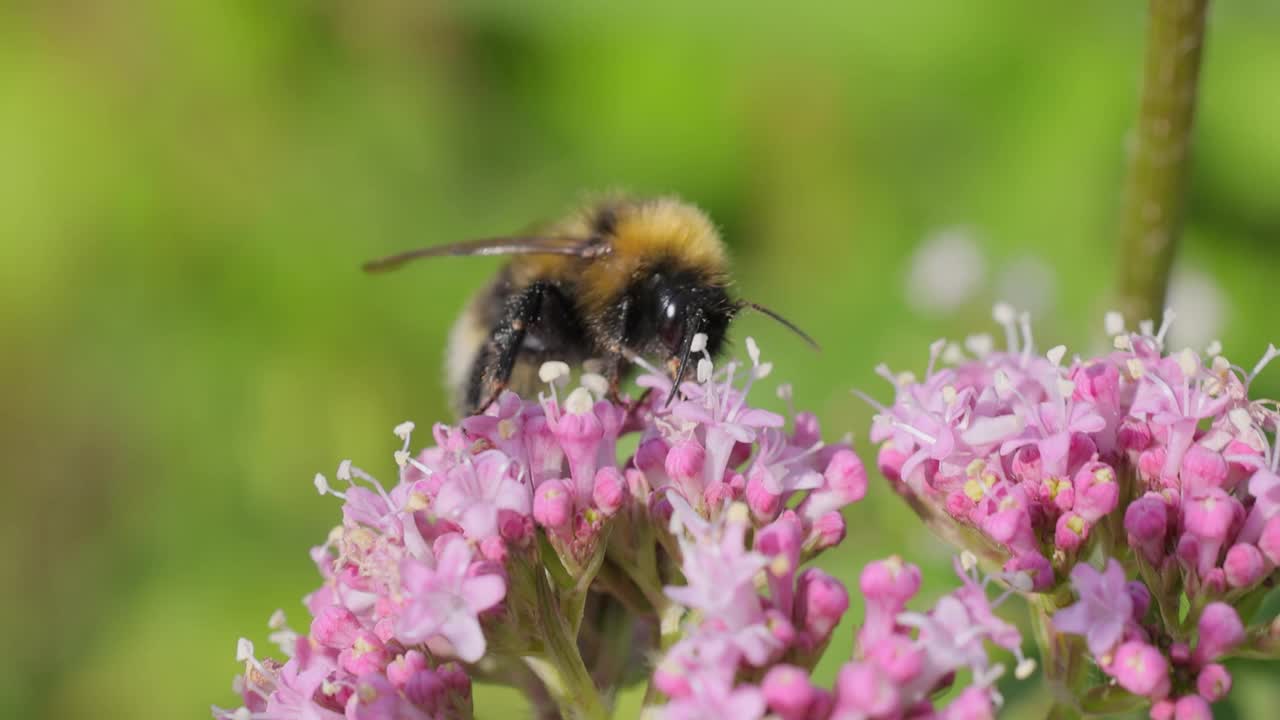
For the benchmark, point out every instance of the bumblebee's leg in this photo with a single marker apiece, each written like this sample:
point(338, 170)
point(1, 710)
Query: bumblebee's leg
point(540, 308)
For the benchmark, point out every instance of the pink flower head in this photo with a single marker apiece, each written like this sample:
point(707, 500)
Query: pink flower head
point(1103, 609)
point(444, 600)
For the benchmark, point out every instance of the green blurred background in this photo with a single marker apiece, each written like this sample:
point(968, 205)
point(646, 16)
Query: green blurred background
point(187, 189)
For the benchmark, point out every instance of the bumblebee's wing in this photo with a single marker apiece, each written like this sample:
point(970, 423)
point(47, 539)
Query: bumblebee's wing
point(575, 247)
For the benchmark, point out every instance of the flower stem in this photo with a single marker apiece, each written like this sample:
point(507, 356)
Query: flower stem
point(1152, 212)
point(560, 667)
point(1062, 657)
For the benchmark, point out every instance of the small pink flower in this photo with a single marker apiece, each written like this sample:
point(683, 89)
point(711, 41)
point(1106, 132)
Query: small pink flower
point(1141, 669)
point(1220, 631)
point(973, 703)
point(886, 585)
point(1146, 523)
point(1192, 707)
point(444, 601)
point(1213, 683)
point(1102, 610)
point(863, 691)
point(1269, 541)
point(1244, 565)
point(789, 692)
point(553, 505)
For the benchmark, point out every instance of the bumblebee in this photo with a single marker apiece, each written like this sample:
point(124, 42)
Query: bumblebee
point(617, 280)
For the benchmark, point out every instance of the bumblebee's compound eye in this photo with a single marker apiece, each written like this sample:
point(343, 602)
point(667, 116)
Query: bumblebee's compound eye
point(670, 322)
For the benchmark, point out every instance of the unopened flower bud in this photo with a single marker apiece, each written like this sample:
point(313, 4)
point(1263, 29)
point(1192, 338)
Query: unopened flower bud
point(1214, 682)
point(553, 505)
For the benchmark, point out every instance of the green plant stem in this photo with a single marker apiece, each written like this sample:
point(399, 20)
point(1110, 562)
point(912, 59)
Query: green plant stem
point(1151, 216)
point(560, 667)
point(1062, 657)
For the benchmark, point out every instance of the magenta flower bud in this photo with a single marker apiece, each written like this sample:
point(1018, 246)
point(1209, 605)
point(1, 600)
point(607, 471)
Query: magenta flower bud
point(404, 666)
point(660, 509)
point(1269, 541)
point(1141, 669)
point(515, 528)
point(1244, 565)
point(1151, 465)
point(1097, 491)
point(823, 701)
point(821, 601)
point(1213, 683)
point(780, 628)
point(1238, 472)
point(1220, 631)
point(1188, 550)
point(1035, 565)
point(890, 579)
point(1098, 382)
point(1026, 465)
point(1209, 513)
point(1202, 468)
point(335, 627)
point(1213, 583)
point(780, 538)
point(651, 455)
point(1141, 598)
point(898, 656)
point(827, 531)
point(1070, 532)
point(1081, 449)
point(367, 654)
point(1146, 521)
point(637, 484)
point(862, 690)
point(716, 494)
point(456, 680)
point(1180, 653)
point(974, 703)
point(425, 689)
point(672, 681)
point(846, 476)
point(685, 464)
point(763, 503)
point(610, 490)
point(808, 431)
point(1192, 707)
point(494, 549)
point(553, 505)
point(788, 691)
point(886, 586)
point(889, 461)
point(1134, 435)
point(1162, 710)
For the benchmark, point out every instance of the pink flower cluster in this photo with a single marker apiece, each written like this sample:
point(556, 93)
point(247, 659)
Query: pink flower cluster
point(481, 557)
point(1160, 460)
point(738, 631)
point(1112, 615)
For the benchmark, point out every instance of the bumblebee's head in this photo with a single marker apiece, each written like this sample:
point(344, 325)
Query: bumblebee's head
point(667, 308)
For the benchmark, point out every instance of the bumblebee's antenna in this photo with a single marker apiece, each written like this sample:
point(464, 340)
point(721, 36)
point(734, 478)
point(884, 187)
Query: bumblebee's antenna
point(780, 320)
